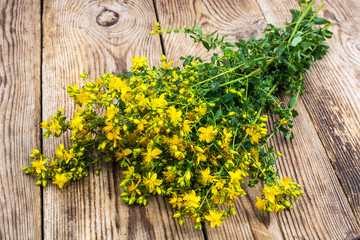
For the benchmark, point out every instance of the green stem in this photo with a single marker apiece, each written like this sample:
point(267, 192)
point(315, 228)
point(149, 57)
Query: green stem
point(258, 114)
point(297, 96)
point(253, 73)
point(219, 75)
point(300, 19)
point(316, 13)
point(257, 165)
point(230, 70)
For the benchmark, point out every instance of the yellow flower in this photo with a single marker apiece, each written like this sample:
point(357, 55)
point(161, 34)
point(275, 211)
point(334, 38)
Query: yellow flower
point(263, 118)
point(201, 110)
point(169, 175)
point(227, 136)
point(124, 152)
point(207, 134)
point(55, 127)
point(191, 200)
point(45, 124)
point(111, 111)
point(254, 134)
point(166, 65)
point(175, 116)
point(117, 84)
point(271, 192)
point(83, 97)
point(176, 201)
point(159, 102)
point(77, 123)
point(133, 188)
point(261, 203)
point(214, 218)
point(285, 182)
point(277, 207)
point(129, 172)
point(61, 179)
point(139, 63)
point(151, 181)
point(237, 176)
point(68, 155)
point(255, 138)
point(201, 158)
point(186, 128)
point(114, 136)
point(151, 154)
point(283, 121)
point(60, 151)
point(255, 155)
point(206, 177)
point(39, 165)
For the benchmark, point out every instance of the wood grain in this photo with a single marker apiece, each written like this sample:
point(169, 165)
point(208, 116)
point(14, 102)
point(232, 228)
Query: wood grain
point(237, 19)
point(334, 99)
point(323, 212)
point(98, 36)
point(20, 215)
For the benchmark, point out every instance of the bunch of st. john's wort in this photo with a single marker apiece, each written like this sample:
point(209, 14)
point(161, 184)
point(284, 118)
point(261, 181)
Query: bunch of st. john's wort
point(193, 133)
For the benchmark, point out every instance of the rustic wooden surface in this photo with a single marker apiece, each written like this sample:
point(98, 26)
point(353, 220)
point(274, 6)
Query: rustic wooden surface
point(20, 202)
point(45, 45)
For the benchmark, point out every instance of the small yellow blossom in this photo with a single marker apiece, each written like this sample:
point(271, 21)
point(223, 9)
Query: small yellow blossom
point(214, 218)
point(151, 154)
point(39, 165)
point(139, 63)
point(191, 200)
point(54, 127)
point(261, 203)
point(283, 121)
point(61, 179)
point(206, 177)
point(175, 116)
point(151, 181)
point(207, 134)
point(77, 123)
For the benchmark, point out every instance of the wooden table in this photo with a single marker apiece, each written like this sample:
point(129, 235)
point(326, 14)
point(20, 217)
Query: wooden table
point(46, 44)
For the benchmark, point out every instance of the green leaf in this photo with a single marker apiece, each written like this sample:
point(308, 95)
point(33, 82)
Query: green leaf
point(288, 136)
point(228, 97)
point(218, 114)
point(296, 41)
point(321, 21)
point(328, 34)
point(280, 49)
point(198, 29)
point(294, 113)
point(215, 85)
point(205, 44)
point(230, 44)
point(306, 45)
point(292, 102)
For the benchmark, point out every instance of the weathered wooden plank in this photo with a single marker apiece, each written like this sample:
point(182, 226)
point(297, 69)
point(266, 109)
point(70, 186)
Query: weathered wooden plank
point(323, 212)
point(20, 209)
point(98, 36)
point(334, 86)
point(237, 19)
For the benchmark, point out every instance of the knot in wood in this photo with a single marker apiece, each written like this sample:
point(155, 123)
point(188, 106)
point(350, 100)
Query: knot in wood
point(107, 18)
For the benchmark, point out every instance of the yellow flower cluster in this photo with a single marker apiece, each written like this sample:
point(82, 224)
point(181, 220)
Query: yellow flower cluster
point(166, 134)
point(275, 196)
